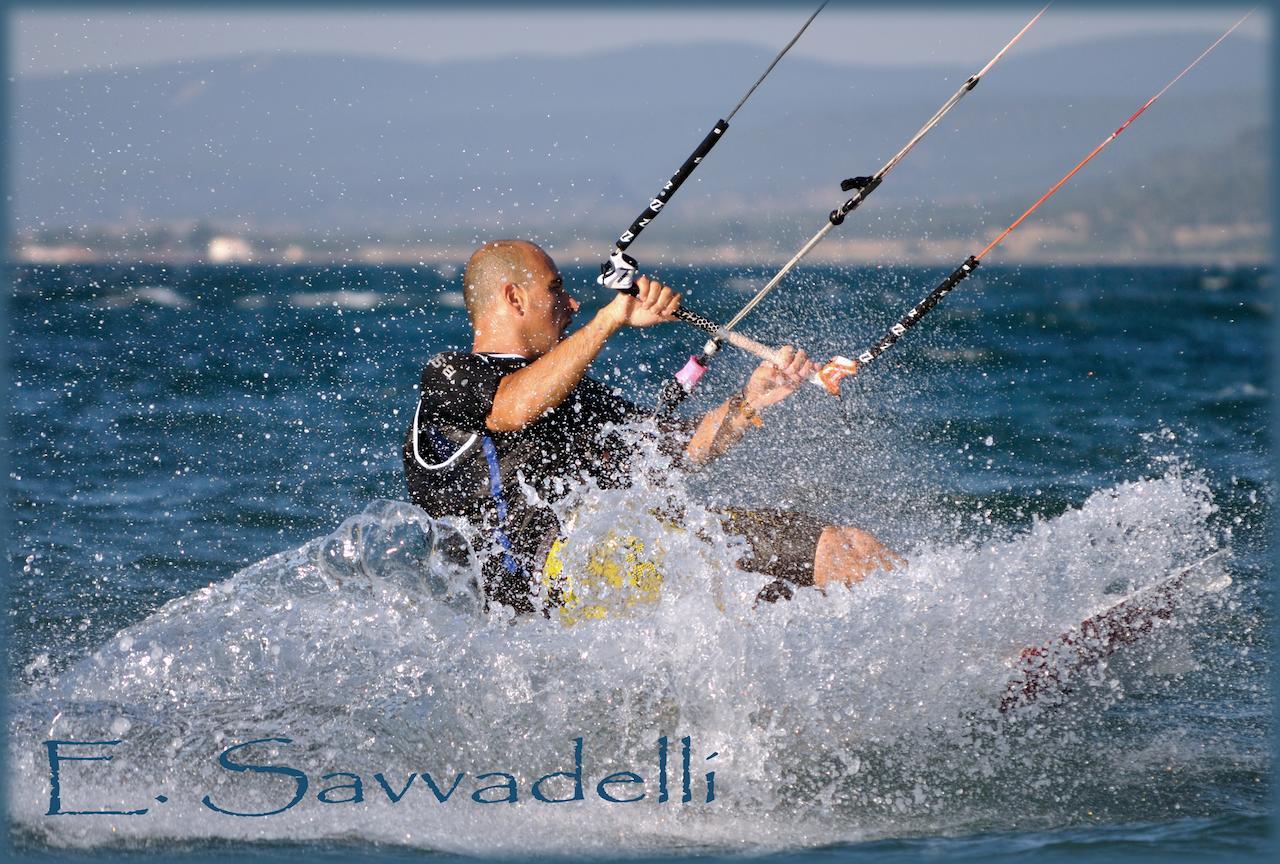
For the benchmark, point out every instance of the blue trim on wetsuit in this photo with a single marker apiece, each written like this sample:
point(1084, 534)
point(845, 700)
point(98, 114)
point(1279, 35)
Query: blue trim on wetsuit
point(495, 490)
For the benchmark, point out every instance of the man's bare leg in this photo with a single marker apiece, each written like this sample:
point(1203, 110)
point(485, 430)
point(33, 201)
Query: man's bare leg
point(847, 555)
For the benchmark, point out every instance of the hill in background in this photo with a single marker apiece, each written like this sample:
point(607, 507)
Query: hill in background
point(333, 153)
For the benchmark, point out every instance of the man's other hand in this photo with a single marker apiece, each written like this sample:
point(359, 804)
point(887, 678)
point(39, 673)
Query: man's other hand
point(773, 382)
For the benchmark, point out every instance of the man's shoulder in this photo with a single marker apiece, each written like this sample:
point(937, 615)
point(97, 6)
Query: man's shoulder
point(463, 368)
point(469, 358)
point(448, 362)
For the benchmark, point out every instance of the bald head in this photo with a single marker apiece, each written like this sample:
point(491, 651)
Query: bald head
point(495, 265)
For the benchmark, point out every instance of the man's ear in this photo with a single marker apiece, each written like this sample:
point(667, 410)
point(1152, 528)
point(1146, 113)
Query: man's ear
point(514, 296)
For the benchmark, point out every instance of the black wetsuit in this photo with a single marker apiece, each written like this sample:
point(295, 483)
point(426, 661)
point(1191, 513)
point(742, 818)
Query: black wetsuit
point(456, 466)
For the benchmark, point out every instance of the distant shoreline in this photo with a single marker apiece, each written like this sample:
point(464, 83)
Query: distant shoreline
point(1237, 246)
point(661, 258)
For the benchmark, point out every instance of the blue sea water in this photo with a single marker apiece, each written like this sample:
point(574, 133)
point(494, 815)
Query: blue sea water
point(183, 440)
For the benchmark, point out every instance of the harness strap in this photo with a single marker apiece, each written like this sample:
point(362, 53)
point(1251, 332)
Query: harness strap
point(500, 503)
point(443, 445)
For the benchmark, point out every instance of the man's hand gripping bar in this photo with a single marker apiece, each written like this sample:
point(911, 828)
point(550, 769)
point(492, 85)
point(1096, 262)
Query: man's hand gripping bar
point(828, 377)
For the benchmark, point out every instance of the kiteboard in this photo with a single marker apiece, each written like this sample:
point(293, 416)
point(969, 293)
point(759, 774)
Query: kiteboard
point(1049, 667)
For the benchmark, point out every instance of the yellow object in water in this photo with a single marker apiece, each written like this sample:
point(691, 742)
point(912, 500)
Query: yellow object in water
point(618, 576)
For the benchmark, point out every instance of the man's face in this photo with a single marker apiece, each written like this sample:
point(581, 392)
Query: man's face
point(550, 306)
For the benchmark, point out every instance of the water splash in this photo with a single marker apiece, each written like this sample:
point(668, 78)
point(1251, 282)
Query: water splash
point(843, 716)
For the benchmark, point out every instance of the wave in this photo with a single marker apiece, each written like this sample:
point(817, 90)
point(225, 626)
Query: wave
point(343, 299)
point(949, 355)
point(840, 716)
point(154, 295)
point(253, 301)
point(451, 299)
point(1242, 390)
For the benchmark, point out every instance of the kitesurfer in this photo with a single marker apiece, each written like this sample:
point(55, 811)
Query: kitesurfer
point(517, 419)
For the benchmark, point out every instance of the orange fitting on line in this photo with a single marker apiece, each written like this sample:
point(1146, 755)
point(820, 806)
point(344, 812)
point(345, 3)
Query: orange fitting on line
point(836, 369)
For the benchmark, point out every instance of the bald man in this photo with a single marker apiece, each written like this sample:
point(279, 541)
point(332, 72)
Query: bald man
point(518, 413)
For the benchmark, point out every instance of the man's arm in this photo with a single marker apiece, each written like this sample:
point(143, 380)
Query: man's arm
point(527, 394)
point(724, 425)
point(719, 429)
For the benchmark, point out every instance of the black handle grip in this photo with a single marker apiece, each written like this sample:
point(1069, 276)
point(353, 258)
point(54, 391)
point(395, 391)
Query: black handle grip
point(678, 178)
point(688, 316)
point(912, 318)
point(669, 398)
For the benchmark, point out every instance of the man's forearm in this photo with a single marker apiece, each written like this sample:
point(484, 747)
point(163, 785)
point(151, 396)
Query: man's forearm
point(721, 428)
point(526, 395)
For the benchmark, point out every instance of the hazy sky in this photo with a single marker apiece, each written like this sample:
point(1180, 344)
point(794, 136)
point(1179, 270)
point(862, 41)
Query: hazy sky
point(69, 41)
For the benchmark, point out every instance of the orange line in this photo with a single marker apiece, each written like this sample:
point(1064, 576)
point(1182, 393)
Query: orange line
point(1056, 186)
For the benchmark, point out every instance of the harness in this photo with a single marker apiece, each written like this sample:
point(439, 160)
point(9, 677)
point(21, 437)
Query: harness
point(442, 447)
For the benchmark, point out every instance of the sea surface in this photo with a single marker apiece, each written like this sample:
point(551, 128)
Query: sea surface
point(205, 551)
